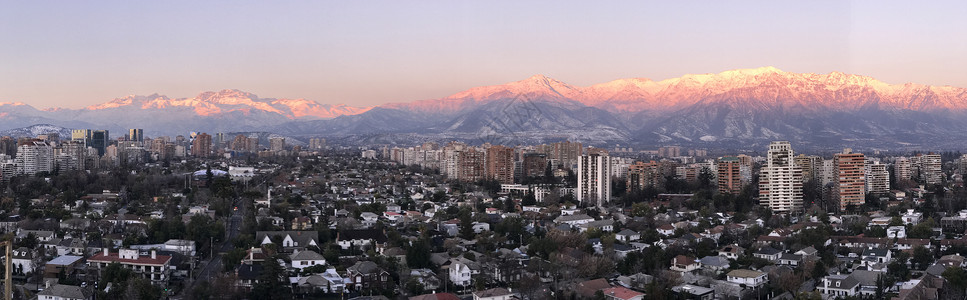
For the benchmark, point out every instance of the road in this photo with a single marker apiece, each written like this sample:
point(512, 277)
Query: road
point(211, 267)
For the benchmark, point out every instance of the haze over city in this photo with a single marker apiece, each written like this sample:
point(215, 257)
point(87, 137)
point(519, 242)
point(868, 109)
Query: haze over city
point(76, 54)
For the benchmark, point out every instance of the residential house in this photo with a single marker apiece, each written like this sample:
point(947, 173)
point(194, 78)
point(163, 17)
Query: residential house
point(768, 253)
point(363, 239)
point(154, 267)
point(306, 258)
point(839, 286)
point(683, 263)
point(731, 251)
point(289, 239)
point(694, 292)
point(714, 263)
point(461, 271)
point(493, 294)
point(749, 278)
point(790, 259)
point(627, 235)
point(621, 293)
point(25, 262)
point(426, 278)
point(65, 292)
point(574, 220)
point(666, 230)
point(365, 274)
point(248, 275)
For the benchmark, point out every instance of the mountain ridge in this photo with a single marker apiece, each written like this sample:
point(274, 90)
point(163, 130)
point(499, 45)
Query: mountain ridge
point(735, 107)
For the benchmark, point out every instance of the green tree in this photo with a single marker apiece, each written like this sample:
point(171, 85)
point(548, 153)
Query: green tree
point(466, 224)
point(418, 255)
point(273, 283)
point(957, 277)
point(922, 257)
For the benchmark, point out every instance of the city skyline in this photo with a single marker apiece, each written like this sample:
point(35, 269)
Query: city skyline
point(77, 55)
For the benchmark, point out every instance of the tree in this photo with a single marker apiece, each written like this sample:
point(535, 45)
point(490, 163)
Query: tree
point(201, 291)
point(957, 277)
point(922, 257)
point(140, 288)
point(418, 255)
point(466, 224)
point(273, 283)
point(529, 199)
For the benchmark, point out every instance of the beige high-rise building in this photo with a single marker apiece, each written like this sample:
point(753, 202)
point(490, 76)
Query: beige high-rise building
point(642, 175)
point(930, 169)
point(877, 178)
point(277, 144)
point(780, 182)
point(811, 166)
point(903, 168)
point(850, 186)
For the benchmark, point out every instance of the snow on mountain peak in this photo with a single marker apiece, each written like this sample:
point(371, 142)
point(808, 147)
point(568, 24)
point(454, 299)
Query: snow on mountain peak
point(232, 100)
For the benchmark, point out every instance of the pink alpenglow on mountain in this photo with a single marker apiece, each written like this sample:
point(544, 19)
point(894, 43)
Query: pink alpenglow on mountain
point(761, 86)
point(213, 103)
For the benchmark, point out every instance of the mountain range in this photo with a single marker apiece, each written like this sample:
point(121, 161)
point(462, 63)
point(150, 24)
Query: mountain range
point(738, 109)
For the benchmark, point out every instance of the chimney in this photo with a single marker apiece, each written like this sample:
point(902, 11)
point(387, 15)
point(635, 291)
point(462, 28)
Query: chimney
point(46, 284)
point(106, 251)
point(154, 254)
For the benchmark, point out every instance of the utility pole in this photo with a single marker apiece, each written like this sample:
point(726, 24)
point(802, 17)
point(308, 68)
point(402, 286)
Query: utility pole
point(7, 280)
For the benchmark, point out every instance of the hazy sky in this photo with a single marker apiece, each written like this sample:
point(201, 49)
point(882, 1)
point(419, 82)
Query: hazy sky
point(78, 53)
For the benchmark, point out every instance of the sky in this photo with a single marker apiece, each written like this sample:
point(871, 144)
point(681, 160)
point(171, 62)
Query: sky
point(360, 53)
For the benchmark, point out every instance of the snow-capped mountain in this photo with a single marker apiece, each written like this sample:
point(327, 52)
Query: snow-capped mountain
point(228, 101)
point(35, 130)
point(735, 108)
point(738, 108)
point(222, 111)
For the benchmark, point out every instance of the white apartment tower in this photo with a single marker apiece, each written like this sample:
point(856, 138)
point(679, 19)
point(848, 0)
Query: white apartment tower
point(780, 183)
point(33, 157)
point(594, 179)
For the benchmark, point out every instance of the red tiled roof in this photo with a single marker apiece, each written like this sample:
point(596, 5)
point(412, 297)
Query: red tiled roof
point(621, 293)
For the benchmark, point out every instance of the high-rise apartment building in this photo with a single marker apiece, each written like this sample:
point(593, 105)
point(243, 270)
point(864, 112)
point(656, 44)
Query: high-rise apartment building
point(670, 151)
point(850, 185)
point(500, 164)
point(780, 182)
point(76, 154)
point(317, 143)
point(277, 144)
point(100, 139)
point(202, 145)
point(535, 164)
point(136, 134)
point(470, 165)
point(34, 156)
point(903, 168)
point(83, 135)
point(594, 179)
point(642, 175)
point(241, 144)
point(729, 175)
point(877, 178)
point(930, 169)
point(811, 166)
